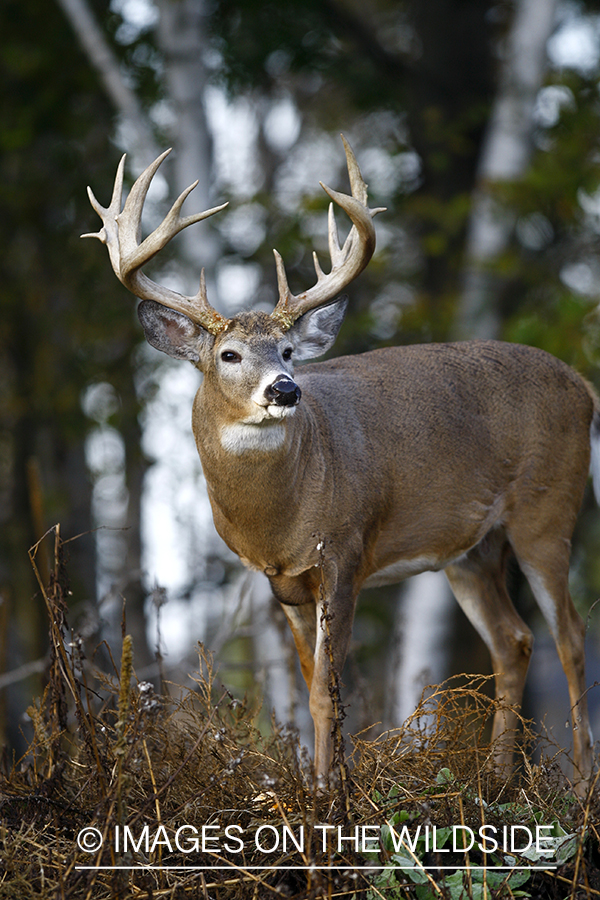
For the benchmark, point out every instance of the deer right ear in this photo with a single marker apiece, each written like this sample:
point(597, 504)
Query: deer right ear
point(172, 332)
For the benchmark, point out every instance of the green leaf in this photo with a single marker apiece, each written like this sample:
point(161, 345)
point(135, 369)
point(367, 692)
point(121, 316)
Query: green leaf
point(556, 849)
point(455, 884)
point(567, 849)
point(410, 866)
point(445, 776)
point(513, 879)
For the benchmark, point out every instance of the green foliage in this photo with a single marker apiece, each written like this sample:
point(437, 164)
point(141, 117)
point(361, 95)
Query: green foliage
point(406, 850)
point(59, 305)
point(538, 308)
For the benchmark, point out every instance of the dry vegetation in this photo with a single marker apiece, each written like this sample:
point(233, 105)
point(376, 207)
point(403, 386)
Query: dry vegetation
point(110, 754)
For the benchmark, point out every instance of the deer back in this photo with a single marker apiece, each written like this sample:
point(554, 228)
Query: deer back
point(411, 453)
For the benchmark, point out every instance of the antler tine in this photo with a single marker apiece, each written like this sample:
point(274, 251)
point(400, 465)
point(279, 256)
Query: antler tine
point(357, 185)
point(115, 202)
point(108, 234)
point(282, 282)
point(121, 233)
point(347, 261)
point(333, 235)
point(130, 220)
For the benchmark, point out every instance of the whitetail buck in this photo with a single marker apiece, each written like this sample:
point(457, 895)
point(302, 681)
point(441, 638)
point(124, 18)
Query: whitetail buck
point(406, 459)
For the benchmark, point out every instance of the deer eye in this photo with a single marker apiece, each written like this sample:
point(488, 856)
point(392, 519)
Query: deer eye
point(230, 356)
point(287, 353)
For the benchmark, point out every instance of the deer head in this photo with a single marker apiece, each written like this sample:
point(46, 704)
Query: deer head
point(248, 358)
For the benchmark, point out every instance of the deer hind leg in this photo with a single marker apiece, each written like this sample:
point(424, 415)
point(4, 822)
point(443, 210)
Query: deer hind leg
point(545, 564)
point(478, 581)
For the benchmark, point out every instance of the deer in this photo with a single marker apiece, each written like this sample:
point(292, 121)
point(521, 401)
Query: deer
point(363, 470)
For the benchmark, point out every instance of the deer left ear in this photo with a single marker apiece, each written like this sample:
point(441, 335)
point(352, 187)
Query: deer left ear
point(315, 332)
point(172, 332)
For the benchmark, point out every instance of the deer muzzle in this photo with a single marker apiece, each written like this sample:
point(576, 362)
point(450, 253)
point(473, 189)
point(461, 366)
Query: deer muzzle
point(283, 392)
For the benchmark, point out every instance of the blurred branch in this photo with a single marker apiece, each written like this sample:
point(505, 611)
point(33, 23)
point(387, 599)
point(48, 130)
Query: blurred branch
point(23, 672)
point(103, 59)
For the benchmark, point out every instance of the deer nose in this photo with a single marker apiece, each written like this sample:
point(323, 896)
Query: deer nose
point(283, 392)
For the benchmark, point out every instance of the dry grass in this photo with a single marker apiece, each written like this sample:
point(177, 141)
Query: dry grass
point(108, 753)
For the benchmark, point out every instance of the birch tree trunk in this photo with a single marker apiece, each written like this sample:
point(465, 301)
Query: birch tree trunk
point(505, 156)
point(181, 34)
point(420, 654)
point(506, 152)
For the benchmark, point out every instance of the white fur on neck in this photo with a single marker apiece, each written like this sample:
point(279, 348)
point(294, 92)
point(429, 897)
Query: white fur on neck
point(241, 437)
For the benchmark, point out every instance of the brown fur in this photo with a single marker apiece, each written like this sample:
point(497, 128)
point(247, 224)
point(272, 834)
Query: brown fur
point(445, 455)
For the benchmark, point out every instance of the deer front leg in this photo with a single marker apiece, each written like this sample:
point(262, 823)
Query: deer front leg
point(309, 630)
point(334, 620)
point(319, 607)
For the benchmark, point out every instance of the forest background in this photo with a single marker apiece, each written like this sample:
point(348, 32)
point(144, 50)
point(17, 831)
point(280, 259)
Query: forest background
point(477, 124)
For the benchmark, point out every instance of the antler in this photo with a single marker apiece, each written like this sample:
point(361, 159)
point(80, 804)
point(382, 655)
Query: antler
point(346, 262)
point(121, 232)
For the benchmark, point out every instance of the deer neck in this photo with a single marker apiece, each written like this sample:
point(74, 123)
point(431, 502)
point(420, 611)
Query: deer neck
point(254, 480)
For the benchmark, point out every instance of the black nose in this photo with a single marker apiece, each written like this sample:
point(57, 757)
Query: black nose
point(283, 392)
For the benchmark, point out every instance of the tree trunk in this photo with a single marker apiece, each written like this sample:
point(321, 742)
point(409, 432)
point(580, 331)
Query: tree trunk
point(181, 34)
point(506, 153)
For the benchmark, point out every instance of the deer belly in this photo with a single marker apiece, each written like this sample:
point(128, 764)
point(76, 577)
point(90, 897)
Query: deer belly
point(403, 568)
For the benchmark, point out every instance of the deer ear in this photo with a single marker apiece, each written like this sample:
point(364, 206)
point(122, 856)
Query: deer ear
point(172, 332)
point(315, 332)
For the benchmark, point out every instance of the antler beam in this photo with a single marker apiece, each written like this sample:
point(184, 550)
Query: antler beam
point(347, 261)
point(121, 232)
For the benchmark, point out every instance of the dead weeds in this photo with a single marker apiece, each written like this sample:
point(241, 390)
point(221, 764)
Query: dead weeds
point(127, 794)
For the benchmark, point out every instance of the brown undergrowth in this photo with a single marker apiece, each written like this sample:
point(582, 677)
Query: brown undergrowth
point(126, 794)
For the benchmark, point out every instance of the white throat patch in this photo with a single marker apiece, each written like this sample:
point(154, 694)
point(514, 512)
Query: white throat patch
point(240, 437)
